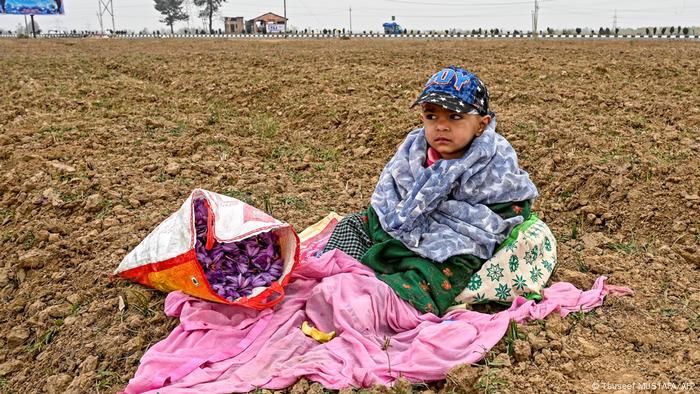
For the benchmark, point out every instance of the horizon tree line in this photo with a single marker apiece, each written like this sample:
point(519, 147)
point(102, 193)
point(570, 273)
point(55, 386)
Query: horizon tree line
point(172, 12)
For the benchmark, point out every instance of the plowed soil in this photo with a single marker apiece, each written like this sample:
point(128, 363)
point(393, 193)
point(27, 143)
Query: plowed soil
point(100, 140)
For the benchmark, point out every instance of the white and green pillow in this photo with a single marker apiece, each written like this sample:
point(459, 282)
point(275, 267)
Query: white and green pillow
point(521, 265)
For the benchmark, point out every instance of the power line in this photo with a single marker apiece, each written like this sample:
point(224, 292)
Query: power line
point(310, 13)
point(443, 16)
point(462, 4)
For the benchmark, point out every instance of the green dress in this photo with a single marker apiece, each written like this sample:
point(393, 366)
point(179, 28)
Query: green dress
point(429, 286)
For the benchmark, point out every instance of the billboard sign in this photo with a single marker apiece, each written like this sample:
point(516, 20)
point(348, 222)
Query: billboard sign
point(31, 7)
point(273, 27)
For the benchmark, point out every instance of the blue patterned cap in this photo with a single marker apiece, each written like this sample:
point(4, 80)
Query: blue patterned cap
point(458, 90)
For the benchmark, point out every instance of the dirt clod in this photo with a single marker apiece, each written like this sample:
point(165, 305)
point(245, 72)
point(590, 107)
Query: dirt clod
point(557, 325)
point(300, 387)
point(537, 342)
point(33, 259)
point(694, 356)
point(89, 364)
point(679, 324)
point(5, 276)
point(57, 384)
point(17, 336)
point(402, 385)
point(588, 348)
point(501, 360)
point(522, 351)
point(93, 203)
point(10, 366)
point(462, 378)
point(172, 169)
point(315, 388)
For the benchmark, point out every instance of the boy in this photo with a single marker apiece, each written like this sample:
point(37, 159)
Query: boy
point(450, 195)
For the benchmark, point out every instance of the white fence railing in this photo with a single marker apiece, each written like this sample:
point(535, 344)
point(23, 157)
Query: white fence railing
point(374, 35)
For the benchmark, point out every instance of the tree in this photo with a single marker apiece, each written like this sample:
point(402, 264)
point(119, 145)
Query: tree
point(647, 31)
point(654, 30)
point(172, 12)
point(663, 30)
point(672, 29)
point(28, 29)
point(578, 30)
point(607, 31)
point(685, 31)
point(210, 8)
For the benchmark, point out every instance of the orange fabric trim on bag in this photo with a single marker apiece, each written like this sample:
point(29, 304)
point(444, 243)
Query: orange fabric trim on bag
point(182, 272)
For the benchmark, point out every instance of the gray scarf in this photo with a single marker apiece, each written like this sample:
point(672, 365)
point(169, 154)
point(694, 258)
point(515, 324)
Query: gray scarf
point(441, 211)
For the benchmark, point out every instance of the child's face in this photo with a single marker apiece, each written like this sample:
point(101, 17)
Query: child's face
point(448, 132)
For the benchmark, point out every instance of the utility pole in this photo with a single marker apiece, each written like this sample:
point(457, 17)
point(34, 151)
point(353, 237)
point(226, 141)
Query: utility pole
point(105, 7)
point(614, 30)
point(99, 18)
point(350, 8)
point(33, 29)
point(535, 32)
point(111, 11)
point(285, 16)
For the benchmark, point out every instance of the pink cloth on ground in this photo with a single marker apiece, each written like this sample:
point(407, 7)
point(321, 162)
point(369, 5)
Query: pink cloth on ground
point(221, 348)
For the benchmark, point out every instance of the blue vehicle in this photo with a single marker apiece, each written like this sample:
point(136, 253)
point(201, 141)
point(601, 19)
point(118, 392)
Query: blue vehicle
point(392, 28)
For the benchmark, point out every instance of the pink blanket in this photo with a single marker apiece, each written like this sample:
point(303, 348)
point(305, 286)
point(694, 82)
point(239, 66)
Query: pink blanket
point(222, 349)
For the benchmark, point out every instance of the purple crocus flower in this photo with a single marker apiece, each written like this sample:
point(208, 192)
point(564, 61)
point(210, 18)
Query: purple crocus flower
point(251, 246)
point(233, 269)
point(258, 281)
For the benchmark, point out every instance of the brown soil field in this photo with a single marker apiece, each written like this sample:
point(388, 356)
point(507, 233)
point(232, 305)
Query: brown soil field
point(100, 140)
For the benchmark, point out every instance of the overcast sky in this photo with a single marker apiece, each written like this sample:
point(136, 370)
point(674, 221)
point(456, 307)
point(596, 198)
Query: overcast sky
point(410, 14)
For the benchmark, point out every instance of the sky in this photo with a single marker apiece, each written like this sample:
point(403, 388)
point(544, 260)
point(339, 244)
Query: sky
point(370, 14)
